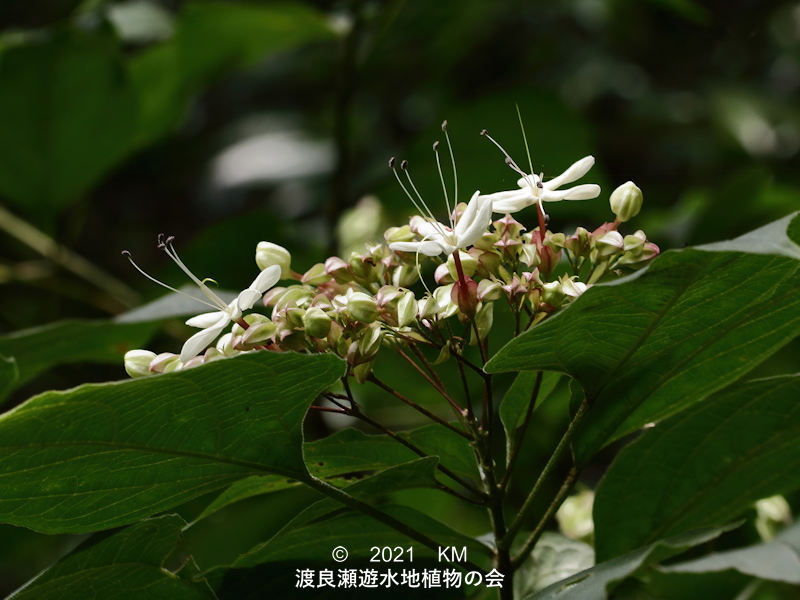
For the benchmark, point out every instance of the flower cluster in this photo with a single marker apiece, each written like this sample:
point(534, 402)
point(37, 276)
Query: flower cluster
point(356, 305)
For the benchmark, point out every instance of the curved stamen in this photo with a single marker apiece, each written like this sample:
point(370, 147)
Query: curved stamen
point(434, 222)
point(170, 251)
point(127, 255)
point(450, 211)
point(524, 138)
point(453, 161)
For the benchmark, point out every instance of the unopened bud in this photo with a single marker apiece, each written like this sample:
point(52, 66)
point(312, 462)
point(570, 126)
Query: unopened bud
point(316, 275)
point(529, 255)
point(225, 345)
point(442, 274)
point(268, 254)
point(362, 307)
point(483, 322)
point(406, 309)
point(293, 317)
point(362, 372)
point(316, 322)
point(166, 362)
point(405, 275)
point(465, 295)
point(137, 362)
point(398, 234)
point(338, 269)
point(611, 243)
point(468, 263)
point(489, 289)
point(626, 201)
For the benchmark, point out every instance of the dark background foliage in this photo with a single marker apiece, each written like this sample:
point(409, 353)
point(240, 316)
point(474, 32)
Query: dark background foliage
point(230, 123)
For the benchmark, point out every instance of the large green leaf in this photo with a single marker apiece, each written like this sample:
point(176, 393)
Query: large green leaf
point(211, 38)
point(349, 452)
point(126, 565)
point(778, 560)
point(703, 467)
point(66, 342)
point(648, 346)
point(67, 114)
point(103, 455)
point(597, 582)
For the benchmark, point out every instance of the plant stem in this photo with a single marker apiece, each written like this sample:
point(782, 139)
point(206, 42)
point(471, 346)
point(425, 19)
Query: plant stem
point(520, 433)
point(439, 388)
point(552, 462)
point(531, 540)
point(356, 412)
point(63, 256)
point(417, 407)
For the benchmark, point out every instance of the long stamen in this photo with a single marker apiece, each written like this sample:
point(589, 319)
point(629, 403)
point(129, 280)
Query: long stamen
point(453, 161)
point(434, 222)
point(127, 255)
point(169, 249)
point(524, 138)
point(400, 181)
point(529, 179)
point(444, 187)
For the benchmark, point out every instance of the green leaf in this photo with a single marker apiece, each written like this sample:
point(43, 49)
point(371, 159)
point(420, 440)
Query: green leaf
point(67, 342)
point(703, 467)
point(68, 116)
point(126, 565)
point(670, 335)
point(314, 541)
point(516, 400)
point(349, 451)
point(597, 582)
point(211, 38)
point(104, 455)
point(292, 541)
point(778, 560)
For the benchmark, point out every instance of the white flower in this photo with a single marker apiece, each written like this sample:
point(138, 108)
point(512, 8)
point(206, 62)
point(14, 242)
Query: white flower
point(438, 238)
point(212, 323)
point(534, 189)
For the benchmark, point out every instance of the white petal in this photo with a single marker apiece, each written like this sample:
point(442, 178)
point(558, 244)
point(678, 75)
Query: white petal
point(579, 192)
point(468, 215)
point(247, 298)
point(527, 182)
point(509, 202)
point(429, 229)
point(201, 340)
point(206, 319)
point(573, 173)
point(266, 279)
point(480, 221)
point(428, 247)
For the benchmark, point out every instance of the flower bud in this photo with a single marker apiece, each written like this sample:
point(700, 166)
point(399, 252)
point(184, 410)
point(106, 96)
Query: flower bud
point(406, 309)
point(338, 269)
point(166, 362)
point(626, 201)
point(387, 294)
point(442, 274)
point(529, 255)
point(137, 362)
point(316, 322)
point(405, 275)
point(398, 234)
point(370, 341)
point(225, 345)
point(362, 307)
point(268, 254)
point(362, 372)
point(445, 307)
point(572, 288)
point(468, 263)
point(316, 275)
point(483, 322)
point(293, 317)
point(611, 243)
point(260, 329)
point(489, 289)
